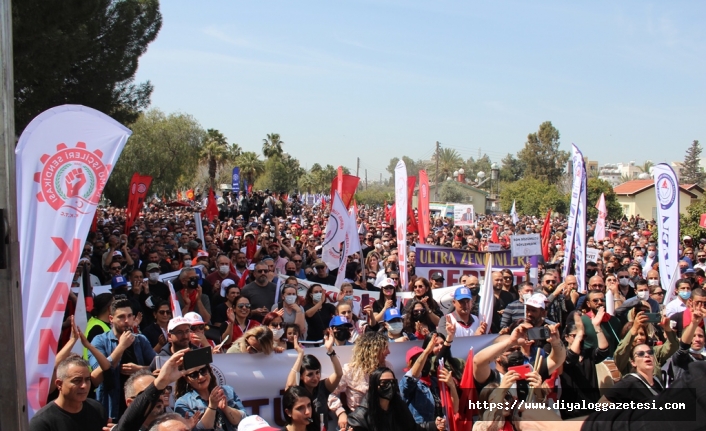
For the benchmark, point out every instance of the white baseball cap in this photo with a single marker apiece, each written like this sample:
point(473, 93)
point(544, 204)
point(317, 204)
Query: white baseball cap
point(255, 423)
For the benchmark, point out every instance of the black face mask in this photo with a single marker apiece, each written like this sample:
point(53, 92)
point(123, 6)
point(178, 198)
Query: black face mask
point(590, 273)
point(418, 314)
point(388, 390)
point(291, 273)
point(193, 283)
point(343, 334)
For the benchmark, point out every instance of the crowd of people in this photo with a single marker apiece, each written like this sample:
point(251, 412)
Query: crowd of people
point(239, 293)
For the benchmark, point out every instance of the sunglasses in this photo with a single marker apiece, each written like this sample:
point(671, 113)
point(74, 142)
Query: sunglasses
point(597, 300)
point(659, 293)
point(262, 271)
point(195, 375)
point(386, 384)
point(276, 325)
point(165, 312)
point(244, 305)
point(643, 353)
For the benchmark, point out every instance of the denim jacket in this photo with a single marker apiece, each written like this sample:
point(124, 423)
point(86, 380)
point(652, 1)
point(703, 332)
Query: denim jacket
point(191, 403)
point(418, 397)
point(106, 344)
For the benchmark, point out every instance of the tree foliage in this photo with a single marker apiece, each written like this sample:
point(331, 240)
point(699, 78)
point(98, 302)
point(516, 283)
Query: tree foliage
point(472, 166)
point(452, 191)
point(511, 168)
point(594, 188)
point(81, 52)
point(449, 161)
point(691, 172)
point(272, 146)
point(251, 167)
point(541, 157)
point(689, 221)
point(376, 194)
point(281, 174)
point(413, 167)
point(216, 152)
point(533, 197)
point(162, 146)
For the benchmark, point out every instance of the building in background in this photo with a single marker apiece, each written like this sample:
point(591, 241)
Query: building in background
point(637, 197)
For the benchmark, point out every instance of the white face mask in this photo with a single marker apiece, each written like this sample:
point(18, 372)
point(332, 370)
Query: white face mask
point(224, 269)
point(394, 328)
point(187, 264)
point(316, 297)
point(624, 281)
point(526, 296)
point(386, 243)
point(643, 295)
point(378, 245)
point(651, 254)
point(278, 333)
point(653, 282)
point(154, 276)
point(290, 299)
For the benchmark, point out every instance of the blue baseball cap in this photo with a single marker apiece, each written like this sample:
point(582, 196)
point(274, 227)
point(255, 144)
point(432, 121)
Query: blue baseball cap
point(392, 313)
point(118, 281)
point(339, 321)
point(462, 293)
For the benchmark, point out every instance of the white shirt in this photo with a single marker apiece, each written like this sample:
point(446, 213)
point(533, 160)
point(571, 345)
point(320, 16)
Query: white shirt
point(674, 307)
point(461, 329)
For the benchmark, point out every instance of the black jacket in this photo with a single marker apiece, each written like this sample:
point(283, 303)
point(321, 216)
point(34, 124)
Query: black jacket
point(398, 418)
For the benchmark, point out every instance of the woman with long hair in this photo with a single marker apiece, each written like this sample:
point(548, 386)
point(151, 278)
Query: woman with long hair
point(387, 299)
point(417, 320)
point(318, 312)
point(298, 409)
point(292, 312)
point(508, 285)
point(253, 341)
point(309, 369)
point(422, 293)
point(198, 391)
point(241, 319)
point(369, 353)
point(638, 332)
point(273, 320)
point(372, 262)
point(383, 409)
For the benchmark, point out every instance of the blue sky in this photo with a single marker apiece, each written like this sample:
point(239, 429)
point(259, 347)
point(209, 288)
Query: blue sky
point(378, 79)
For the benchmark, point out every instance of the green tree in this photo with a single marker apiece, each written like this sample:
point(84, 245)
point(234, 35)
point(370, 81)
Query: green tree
point(281, 174)
point(413, 167)
point(472, 166)
point(81, 52)
point(449, 161)
point(533, 197)
point(272, 146)
point(452, 191)
point(691, 172)
point(541, 156)
point(251, 167)
point(376, 194)
point(594, 188)
point(162, 146)
point(511, 168)
point(645, 167)
point(689, 221)
point(216, 152)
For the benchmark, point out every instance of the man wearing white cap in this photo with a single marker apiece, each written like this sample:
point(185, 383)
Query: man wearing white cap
point(179, 330)
point(535, 310)
point(255, 423)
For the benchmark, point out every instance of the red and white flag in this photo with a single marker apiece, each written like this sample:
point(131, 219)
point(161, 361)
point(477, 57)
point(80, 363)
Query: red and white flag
point(401, 220)
point(64, 159)
point(599, 231)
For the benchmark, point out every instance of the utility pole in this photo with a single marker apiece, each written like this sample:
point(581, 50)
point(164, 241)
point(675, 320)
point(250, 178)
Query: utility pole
point(13, 409)
point(357, 168)
point(380, 178)
point(366, 179)
point(436, 177)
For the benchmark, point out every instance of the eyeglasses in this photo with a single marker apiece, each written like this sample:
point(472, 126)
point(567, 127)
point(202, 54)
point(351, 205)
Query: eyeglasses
point(181, 333)
point(198, 328)
point(420, 286)
point(658, 293)
point(297, 260)
point(195, 375)
point(386, 384)
point(116, 268)
point(598, 285)
point(624, 277)
point(165, 312)
point(550, 281)
point(244, 305)
point(643, 353)
point(262, 271)
point(251, 349)
point(507, 278)
point(597, 300)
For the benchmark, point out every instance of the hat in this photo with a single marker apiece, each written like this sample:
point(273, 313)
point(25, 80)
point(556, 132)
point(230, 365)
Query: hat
point(192, 245)
point(462, 293)
point(318, 263)
point(339, 321)
point(202, 254)
point(689, 271)
point(182, 250)
point(118, 281)
point(686, 238)
point(536, 301)
point(388, 282)
point(152, 266)
point(255, 423)
point(392, 313)
point(437, 276)
point(305, 232)
point(225, 284)
point(195, 318)
point(117, 253)
point(411, 353)
point(178, 321)
point(634, 263)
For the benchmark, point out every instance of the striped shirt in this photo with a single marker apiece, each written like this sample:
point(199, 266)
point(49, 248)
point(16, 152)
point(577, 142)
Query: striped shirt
point(514, 311)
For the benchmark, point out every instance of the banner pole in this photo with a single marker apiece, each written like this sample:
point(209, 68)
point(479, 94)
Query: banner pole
point(13, 412)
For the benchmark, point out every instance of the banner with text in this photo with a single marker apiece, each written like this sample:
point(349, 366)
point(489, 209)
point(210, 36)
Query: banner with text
point(64, 159)
point(667, 195)
point(526, 245)
point(235, 184)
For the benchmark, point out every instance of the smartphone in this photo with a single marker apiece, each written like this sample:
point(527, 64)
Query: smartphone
point(653, 317)
point(541, 333)
point(364, 300)
point(522, 370)
point(197, 358)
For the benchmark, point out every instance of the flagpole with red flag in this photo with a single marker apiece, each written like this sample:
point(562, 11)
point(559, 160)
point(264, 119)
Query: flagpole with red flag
point(211, 207)
point(423, 206)
point(468, 392)
point(546, 233)
point(346, 185)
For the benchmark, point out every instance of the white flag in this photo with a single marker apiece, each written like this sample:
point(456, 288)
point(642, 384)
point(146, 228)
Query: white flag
point(401, 220)
point(513, 213)
point(487, 297)
point(198, 222)
point(667, 195)
point(174, 301)
point(335, 234)
point(64, 159)
point(599, 231)
point(352, 232)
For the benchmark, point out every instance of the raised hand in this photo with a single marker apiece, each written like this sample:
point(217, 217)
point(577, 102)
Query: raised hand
point(598, 318)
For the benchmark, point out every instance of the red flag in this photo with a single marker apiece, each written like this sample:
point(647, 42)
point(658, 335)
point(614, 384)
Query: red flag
point(339, 186)
point(494, 235)
point(349, 184)
point(94, 224)
point(249, 188)
point(411, 220)
point(136, 198)
point(211, 207)
point(447, 403)
point(387, 212)
point(546, 233)
point(423, 206)
point(190, 194)
point(467, 392)
point(250, 247)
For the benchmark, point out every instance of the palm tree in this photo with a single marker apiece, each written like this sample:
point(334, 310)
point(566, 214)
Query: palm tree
point(449, 161)
point(646, 167)
point(272, 146)
point(307, 182)
point(215, 152)
point(251, 166)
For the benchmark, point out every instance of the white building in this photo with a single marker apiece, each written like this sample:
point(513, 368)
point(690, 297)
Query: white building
point(616, 173)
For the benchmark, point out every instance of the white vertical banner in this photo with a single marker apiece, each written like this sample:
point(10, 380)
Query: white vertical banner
point(335, 234)
point(487, 297)
point(401, 220)
point(64, 159)
point(198, 223)
point(352, 232)
point(577, 191)
point(599, 231)
point(513, 214)
point(580, 233)
point(667, 195)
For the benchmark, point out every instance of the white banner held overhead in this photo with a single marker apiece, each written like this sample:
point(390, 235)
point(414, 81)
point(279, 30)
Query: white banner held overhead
point(198, 223)
point(667, 195)
point(64, 159)
point(487, 297)
point(526, 245)
point(335, 234)
point(575, 240)
point(592, 254)
point(599, 231)
point(401, 220)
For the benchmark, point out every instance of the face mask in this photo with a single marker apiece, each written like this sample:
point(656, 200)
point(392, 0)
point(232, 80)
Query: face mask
point(394, 328)
point(685, 294)
point(343, 334)
point(653, 282)
point(278, 333)
point(154, 276)
point(418, 314)
point(388, 392)
point(316, 297)
point(378, 245)
point(290, 273)
point(590, 273)
point(187, 264)
point(348, 298)
point(701, 352)
point(643, 295)
point(290, 299)
point(386, 243)
point(702, 259)
point(526, 296)
point(224, 269)
point(624, 281)
point(558, 246)
point(651, 254)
